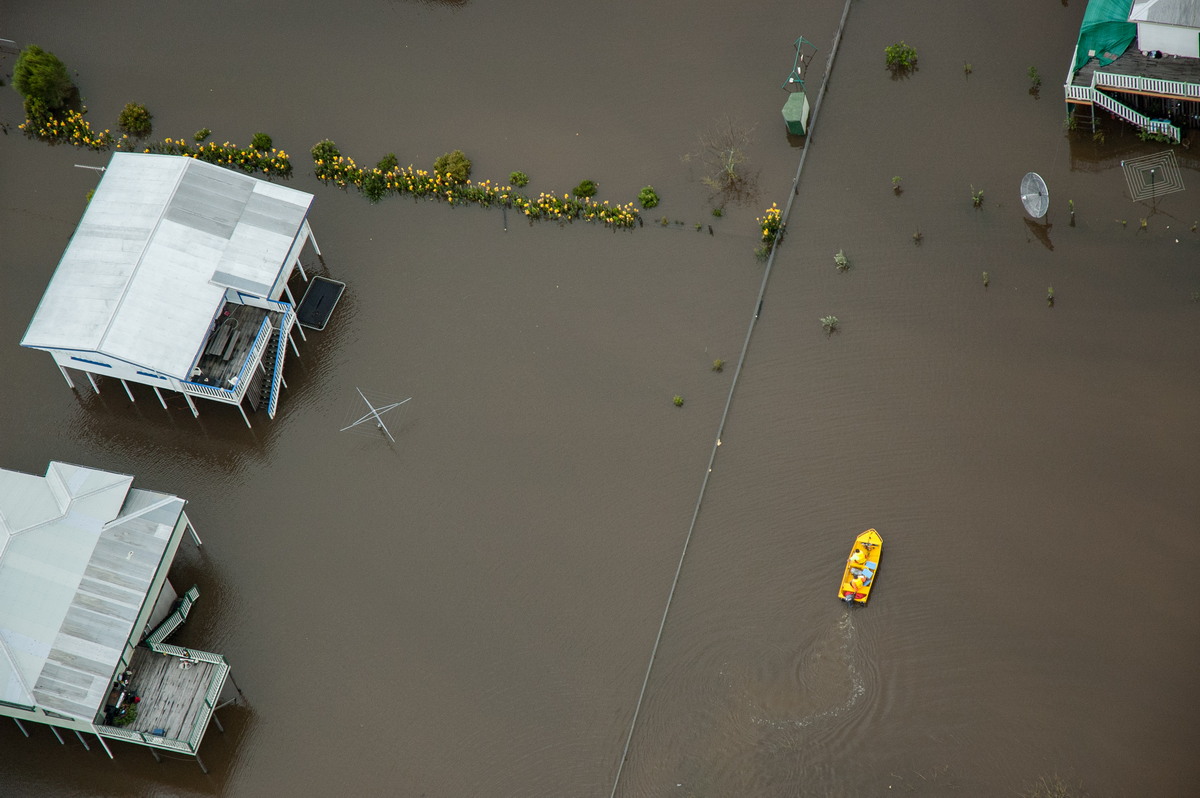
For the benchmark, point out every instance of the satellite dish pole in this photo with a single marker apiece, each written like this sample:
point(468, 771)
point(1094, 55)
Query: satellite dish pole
point(376, 414)
point(1034, 195)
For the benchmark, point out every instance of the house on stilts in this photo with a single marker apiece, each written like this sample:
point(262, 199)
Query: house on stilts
point(86, 607)
point(1140, 61)
point(176, 278)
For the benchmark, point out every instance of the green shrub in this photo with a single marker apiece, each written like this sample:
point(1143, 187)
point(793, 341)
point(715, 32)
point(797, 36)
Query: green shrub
point(261, 142)
point(1035, 78)
point(129, 717)
point(39, 75)
point(648, 197)
point(373, 185)
point(841, 261)
point(829, 323)
point(202, 134)
point(325, 152)
point(388, 162)
point(718, 212)
point(519, 179)
point(135, 120)
point(678, 400)
point(585, 189)
point(718, 365)
point(453, 166)
point(900, 56)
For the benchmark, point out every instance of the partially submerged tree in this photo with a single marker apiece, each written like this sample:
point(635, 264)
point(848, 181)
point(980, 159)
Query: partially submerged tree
point(42, 79)
point(723, 154)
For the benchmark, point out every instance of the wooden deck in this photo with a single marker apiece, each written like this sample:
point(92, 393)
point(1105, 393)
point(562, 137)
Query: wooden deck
point(172, 696)
point(1133, 63)
point(228, 345)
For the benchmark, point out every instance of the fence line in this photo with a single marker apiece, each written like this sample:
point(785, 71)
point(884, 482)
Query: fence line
point(729, 399)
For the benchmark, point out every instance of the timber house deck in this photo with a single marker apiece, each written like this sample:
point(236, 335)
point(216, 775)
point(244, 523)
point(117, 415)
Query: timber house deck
point(230, 342)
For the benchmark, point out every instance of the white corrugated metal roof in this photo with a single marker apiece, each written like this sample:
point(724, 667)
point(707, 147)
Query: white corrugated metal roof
point(74, 575)
point(1181, 13)
point(136, 282)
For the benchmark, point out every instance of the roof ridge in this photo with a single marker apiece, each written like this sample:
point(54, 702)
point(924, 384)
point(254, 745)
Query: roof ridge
point(167, 498)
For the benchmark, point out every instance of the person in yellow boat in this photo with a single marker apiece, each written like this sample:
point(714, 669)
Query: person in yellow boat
point(857, 582)
point(857, 557)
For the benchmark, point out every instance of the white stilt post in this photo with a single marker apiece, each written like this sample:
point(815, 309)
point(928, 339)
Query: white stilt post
point(220, 728)
point(154, 754)
point(158, 393)
point(58, 736)
point(92, 380)
point(292, 341)
point(203, 769)
point(195, 537)
point(192, 405)
point(244, 416)
point(291, 298)
point(80, 736)
point(67, 377)
point(300, 266)
point(104, 745)
point(20, 726)
point(282, 381)
point(300, 329)
point(128, 392)
point(311, 237)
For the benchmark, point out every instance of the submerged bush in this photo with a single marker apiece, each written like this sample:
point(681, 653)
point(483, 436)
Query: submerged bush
point(388, 162)
point(648, 197)
point(587, 188)
point(519, 179)
point(40, 76)
point(900, 56)
point(261, 142)
point(201, 134)
point(453, 166)
point(135, 120)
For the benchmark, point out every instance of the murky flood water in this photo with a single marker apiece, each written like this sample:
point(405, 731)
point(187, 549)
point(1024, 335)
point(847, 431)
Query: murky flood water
point(471, 611)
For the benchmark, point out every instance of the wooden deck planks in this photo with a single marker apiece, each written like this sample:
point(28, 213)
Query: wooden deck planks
point(172, 697)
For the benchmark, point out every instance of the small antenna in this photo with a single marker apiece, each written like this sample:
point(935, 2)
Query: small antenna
point(1034, 195)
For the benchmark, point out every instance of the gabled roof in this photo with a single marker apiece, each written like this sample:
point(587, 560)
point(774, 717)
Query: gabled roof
point(79, 551)
point(1180, 13)
point(145, 273)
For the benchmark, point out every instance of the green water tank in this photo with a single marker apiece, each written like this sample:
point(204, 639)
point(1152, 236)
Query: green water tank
point(795, 113)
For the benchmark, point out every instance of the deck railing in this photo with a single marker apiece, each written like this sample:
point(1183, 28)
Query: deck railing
point(155, 740)
point(1109, 80)
point(285, 328)
point(215, 685)
point(234, 395)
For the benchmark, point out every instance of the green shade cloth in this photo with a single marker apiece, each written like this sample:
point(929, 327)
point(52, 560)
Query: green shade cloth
point(795, 113)
point(1105, 29)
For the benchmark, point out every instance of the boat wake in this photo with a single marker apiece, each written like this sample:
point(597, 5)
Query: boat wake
point(825, 682)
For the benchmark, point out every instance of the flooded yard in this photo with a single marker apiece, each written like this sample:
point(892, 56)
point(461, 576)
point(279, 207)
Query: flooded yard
point(471, 610)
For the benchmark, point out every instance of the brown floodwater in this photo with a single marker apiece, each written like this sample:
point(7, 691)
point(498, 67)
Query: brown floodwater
point(471, 610)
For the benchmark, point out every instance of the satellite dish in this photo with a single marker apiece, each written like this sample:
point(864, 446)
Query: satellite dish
point(1034, 195)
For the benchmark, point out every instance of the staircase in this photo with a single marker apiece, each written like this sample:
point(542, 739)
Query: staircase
point(1144, 122)
point(272, 359)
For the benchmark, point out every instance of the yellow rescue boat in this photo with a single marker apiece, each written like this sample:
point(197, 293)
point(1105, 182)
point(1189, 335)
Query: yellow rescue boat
point(861, 568)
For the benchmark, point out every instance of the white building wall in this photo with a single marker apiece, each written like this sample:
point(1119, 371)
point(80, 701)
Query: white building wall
point(105, 366)
point(1169, 39)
